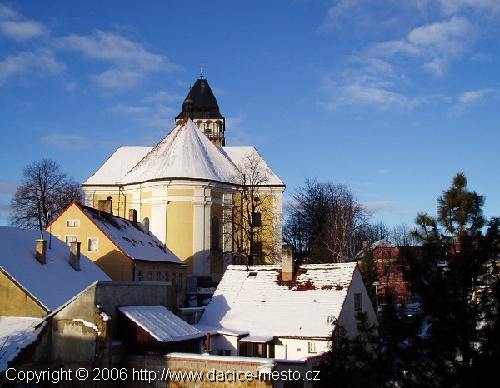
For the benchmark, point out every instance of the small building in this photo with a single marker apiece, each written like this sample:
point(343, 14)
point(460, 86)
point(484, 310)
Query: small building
point(388, 259)
point(155, 329)
point(36, 277)
point(123, 248)
point(271, 311)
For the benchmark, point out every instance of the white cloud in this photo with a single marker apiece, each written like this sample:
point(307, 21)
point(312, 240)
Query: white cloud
point(65, 141)
point(379, 206)
point(30, 62)
point(162, 96)
point(337, 12)
point(157, 116)
point(491, 7)
point(131, 62)
point(15, 26)
point(436, 44)
point(473, 96)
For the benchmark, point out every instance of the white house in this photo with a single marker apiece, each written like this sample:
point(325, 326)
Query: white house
point(269, 311)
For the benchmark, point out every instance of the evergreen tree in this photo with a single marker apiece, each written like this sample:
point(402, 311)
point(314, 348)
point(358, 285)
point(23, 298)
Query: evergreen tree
point(455, 279)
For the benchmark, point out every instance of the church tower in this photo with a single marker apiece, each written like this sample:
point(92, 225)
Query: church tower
point(201, 106)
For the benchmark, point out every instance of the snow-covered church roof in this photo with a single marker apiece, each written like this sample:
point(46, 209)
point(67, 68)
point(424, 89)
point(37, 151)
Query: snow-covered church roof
point(254, 300)
point(52, 284)
point(184, 153)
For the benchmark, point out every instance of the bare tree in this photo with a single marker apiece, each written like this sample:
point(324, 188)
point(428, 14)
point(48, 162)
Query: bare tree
point(403, 235)
point(253, 219)
point(325, 223)
point(43, 193)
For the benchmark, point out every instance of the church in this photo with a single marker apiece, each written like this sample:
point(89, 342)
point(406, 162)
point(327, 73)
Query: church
point(210, 203)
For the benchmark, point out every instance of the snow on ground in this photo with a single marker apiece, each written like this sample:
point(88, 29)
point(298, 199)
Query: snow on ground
point(52, 284)
point(253, 300)
point(161, 323)
point(15, 334)
point(134, 240)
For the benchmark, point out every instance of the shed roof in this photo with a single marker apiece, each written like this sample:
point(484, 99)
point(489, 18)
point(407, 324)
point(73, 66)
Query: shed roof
point(161, 323)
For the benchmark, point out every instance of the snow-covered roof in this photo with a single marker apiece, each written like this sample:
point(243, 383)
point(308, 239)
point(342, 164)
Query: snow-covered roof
point(254, 300)
point(184, 153)
point(53, 283)
point(15, 334)
point(383, 243)
point(161, 323)
point(134, 240)
point(118, 164)
point(240, 154)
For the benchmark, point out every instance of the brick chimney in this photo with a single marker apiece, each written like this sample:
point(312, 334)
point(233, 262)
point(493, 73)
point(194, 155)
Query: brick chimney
point(74, 255)
point(132, 216)
point(286, 263)
point(41, 251)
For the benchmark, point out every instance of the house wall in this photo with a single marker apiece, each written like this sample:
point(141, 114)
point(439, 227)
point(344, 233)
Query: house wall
point(108, 256)
point(298, 348)
point(14, 301)
point(284, 348)
point(348, 314)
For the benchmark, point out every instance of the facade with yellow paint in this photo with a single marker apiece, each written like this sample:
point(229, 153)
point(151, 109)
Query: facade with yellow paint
point(187, 191)
point(121, 247)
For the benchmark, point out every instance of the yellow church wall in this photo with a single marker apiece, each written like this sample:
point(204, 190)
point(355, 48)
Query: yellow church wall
point(108, 257)
point(180, 229)
point(145, 211)
point(14, 301)
point(266, 233)
point(180, 192)
point(121, 202)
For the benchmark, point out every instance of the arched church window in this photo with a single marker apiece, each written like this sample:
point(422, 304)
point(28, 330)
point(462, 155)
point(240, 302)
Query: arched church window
point(219, 126)
point(215, 234)
point(208, 126)
point(145, 222)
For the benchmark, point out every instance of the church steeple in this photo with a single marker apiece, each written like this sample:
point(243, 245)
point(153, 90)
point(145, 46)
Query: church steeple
point(201, 106)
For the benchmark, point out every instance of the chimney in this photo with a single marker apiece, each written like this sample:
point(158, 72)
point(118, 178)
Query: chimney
point(74, 255)
point(286, 263)
point(132, 216)
point(41, 251)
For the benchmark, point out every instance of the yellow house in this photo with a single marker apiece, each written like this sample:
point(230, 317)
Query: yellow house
point(37, 277)
point(187, 190)
point(122, 248)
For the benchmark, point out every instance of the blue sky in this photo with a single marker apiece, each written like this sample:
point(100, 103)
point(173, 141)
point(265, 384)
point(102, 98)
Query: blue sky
point(389, 97)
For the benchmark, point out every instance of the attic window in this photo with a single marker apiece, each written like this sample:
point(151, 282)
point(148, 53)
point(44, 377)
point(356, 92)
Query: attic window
point(73, 223)
point(252, 274)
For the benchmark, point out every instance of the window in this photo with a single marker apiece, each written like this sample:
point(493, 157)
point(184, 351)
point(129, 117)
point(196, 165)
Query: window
point(158, 276)
point(70, 239)
point(174, 279)
point(256, 219)
point(92, 244)
point(73, 223)
point(167, 277)
point(215, 234)
point(357, 302)
point(150, 275)
point(140, 276)
point(219, 126)
point(311, 347)
point(208, 126)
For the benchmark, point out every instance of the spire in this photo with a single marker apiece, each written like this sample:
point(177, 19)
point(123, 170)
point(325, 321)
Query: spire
point(202, 68)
